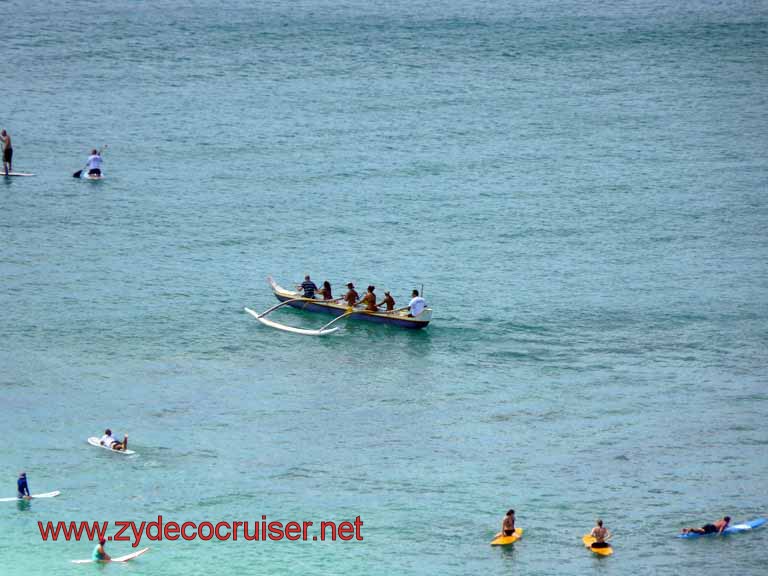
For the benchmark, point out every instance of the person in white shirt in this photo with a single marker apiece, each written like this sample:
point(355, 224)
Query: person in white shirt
point(94, 163)
point(417, 304)
point(111, 442)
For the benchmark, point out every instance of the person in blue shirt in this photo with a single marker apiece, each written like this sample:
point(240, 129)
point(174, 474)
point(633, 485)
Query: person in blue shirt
point(23, 488)
point(309, 287)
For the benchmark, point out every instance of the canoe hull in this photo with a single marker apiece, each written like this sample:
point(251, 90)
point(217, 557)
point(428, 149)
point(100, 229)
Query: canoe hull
point(334, 311)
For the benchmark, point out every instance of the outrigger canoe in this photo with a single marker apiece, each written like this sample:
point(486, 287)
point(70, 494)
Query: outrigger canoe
point(335, 308)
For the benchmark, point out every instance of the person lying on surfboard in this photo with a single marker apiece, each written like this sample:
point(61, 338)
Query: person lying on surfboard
point(388, 301)
point(111, 442)
point(369, 300)
point(309, 287)
point(22, 487)
point(716, 528)
point(601, 534)
point(99, 555)
point(507, 524)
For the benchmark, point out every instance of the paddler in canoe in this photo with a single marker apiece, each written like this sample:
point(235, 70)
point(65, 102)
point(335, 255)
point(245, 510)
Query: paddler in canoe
point(351, 297)
point(388, 301)
point(415, 306)
point(369, 300)
point(309, 287)
point(325, 291)
point(601, 534)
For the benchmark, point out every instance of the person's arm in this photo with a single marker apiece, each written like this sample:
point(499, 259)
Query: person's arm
point(608, 535)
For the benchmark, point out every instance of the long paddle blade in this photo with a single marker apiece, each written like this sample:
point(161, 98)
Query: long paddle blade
point(77, 174)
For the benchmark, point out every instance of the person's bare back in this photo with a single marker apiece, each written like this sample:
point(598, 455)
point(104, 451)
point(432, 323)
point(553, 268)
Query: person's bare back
point(6, 139)
point(369, 300)
point(7, 151)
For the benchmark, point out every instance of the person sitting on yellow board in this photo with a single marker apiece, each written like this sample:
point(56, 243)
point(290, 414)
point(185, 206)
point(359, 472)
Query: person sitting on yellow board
point(508, 524)
point(601, 534)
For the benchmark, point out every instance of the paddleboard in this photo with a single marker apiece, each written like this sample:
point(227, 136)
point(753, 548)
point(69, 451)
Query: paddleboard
point(125, 558)
point(589, 540)
point(732, 529)
point(93, 441)
point(500, 540)
point(16, 174)
point(46, 495)
point(89, 177)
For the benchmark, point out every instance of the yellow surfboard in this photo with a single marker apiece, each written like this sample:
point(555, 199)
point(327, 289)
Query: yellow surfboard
point(501, 540)
point(589, 540)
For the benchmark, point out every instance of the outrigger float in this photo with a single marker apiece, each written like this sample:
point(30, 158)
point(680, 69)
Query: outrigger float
point(294, 299)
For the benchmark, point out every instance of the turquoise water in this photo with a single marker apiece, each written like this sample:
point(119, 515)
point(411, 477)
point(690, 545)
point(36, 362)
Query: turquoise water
point(580, 188)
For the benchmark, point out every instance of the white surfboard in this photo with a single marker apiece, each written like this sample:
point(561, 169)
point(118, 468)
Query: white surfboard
point(93, 441)
point(46, 495)
point(16, 174)
point(92, 177)
point(125, 558)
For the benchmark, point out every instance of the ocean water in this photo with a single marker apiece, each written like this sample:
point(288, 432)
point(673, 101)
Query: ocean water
point(579, 187)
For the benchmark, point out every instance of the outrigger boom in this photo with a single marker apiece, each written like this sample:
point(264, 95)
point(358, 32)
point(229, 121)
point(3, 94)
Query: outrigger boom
point(323, 331)
point(294, 299)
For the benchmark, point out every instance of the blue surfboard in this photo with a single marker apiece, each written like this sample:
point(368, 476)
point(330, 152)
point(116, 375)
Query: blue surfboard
point(732, 529)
